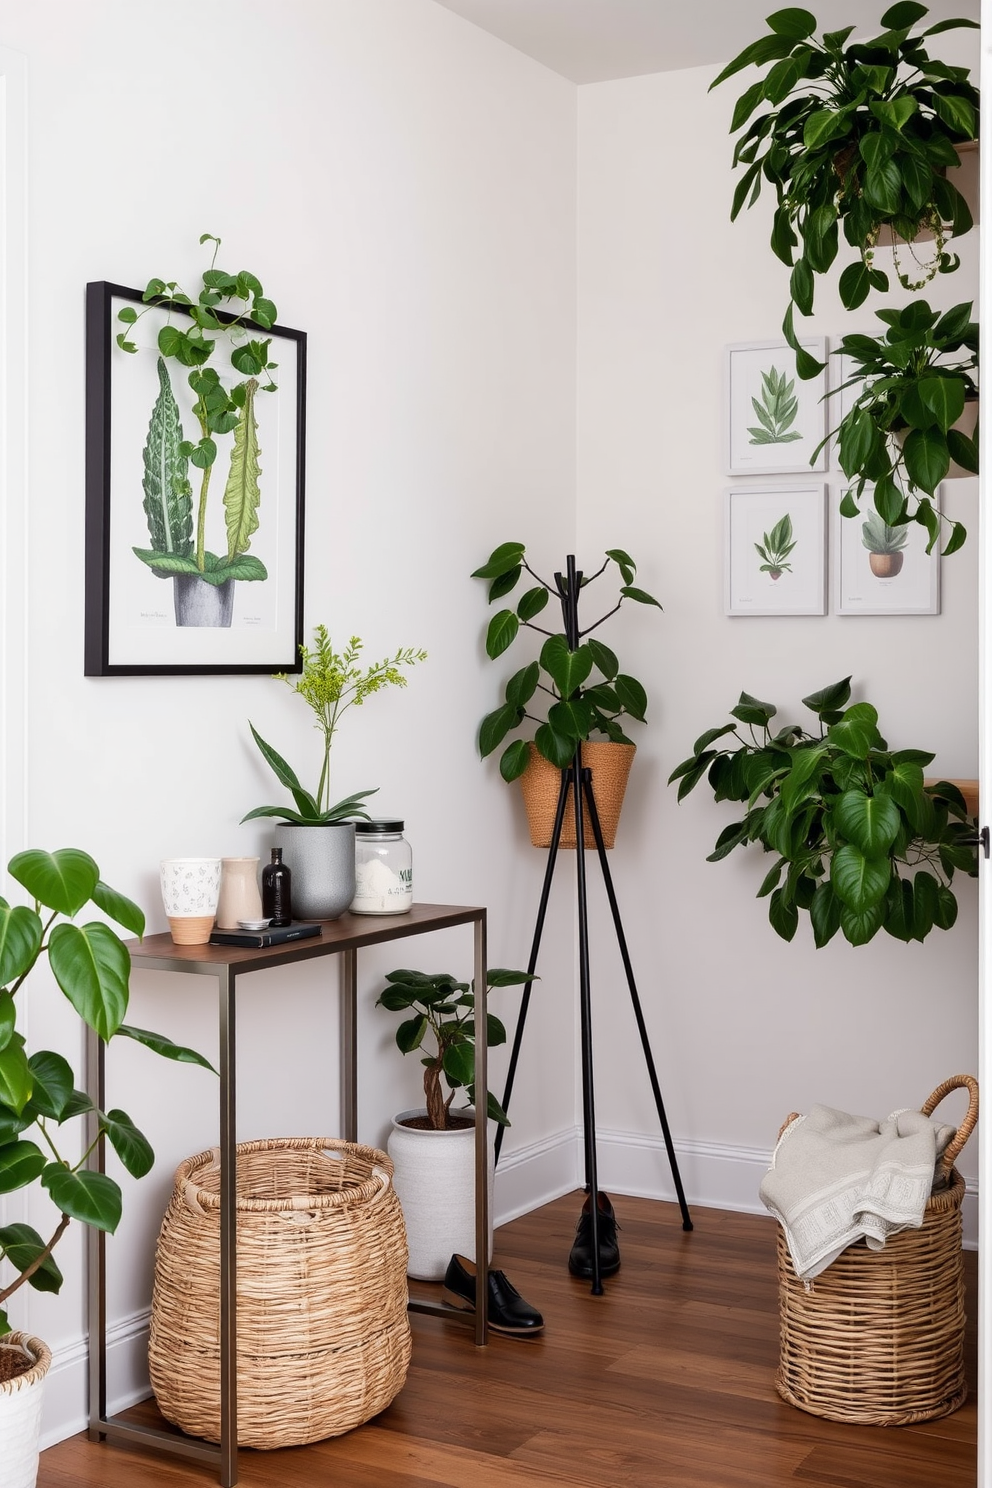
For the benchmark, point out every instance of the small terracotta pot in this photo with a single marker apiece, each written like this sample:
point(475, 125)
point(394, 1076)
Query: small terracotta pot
point(541, 784)
point(885, 565)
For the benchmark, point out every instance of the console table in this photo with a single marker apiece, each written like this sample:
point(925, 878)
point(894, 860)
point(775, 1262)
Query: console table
point(343, 937)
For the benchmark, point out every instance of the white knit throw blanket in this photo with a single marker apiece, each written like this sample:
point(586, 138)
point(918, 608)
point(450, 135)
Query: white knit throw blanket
point(835, 1178)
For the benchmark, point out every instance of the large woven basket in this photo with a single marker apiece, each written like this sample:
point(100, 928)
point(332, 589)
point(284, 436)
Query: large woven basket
point(540, 785)
point(323, 1333)
point(878, 1338)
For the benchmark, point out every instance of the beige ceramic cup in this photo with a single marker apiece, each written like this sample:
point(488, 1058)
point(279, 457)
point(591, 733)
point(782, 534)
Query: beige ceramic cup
point(190, 889)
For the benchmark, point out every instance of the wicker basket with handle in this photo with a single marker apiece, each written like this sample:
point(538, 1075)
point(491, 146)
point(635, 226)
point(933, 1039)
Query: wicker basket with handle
point(878, 1338)
point(323, 1333)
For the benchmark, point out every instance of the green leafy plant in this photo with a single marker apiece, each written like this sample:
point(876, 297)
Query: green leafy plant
point(38, 1090)
point(583, 691)
point(878, 537)
point(330, 683)
point(775, 549)
point(862, 844)
point(443, 1011)
point(776, 411)
point(899, 435)
point(227, 309)
point(855, 137)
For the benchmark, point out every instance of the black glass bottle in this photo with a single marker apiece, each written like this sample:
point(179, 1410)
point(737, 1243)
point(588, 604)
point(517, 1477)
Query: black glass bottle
point(276, 890)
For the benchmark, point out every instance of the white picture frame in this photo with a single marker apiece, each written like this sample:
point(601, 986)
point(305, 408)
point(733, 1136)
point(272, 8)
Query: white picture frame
point(753, 583)
point(774, 420)
point(913, 589)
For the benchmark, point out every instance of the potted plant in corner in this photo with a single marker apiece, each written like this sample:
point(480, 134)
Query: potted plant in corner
point(38, 1096)
point(910, 390)
point(861, 842)
point(573, 691)
point(320, 835)
point(227, 309)
point(432, 1148)
point(857, 136)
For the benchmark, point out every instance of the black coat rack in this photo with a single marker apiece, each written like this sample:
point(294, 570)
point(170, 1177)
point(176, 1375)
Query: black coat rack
point(568, 593)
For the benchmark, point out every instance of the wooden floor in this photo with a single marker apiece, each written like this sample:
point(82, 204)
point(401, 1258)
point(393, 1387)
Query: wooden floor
point(666, 1381)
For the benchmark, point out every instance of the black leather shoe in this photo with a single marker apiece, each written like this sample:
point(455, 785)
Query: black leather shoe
point(507, 1310)
point(580, 1256)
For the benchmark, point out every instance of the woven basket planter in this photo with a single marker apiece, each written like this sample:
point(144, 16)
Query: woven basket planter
point(878, 1339)
point(323, 1333)
point(541, 785)
point(20, 1407)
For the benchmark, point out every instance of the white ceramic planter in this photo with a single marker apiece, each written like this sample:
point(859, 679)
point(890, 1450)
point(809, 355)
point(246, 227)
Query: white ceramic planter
point(322, 862)
point(20, 1413)
point(435, 1181)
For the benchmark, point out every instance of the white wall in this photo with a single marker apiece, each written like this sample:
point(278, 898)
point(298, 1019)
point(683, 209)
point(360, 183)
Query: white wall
point(405, 189)
point(746, 1027)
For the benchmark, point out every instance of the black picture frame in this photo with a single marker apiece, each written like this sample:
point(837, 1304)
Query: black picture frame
point(140, 621)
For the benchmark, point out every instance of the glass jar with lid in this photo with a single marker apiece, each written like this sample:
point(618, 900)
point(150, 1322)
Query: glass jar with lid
point(383, 868)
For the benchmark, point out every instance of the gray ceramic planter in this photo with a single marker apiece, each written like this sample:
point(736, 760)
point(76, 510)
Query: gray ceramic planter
point(322, 861)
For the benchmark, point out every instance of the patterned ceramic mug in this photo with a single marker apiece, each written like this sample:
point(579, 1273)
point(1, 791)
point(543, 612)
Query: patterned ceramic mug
point(190, 888)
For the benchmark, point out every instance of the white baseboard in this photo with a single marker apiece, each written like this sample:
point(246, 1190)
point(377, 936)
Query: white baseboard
point(714, 1175)
point(64, 1412)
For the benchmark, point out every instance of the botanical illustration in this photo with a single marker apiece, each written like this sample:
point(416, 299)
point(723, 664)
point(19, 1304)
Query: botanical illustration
point(228, 308)
point(775, 549)
point(885, 546)
point(776, 411)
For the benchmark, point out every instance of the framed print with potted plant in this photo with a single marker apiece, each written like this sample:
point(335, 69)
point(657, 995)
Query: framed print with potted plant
point(882, 570)
point(195, 429)
point(775, 551)
point(775, 421)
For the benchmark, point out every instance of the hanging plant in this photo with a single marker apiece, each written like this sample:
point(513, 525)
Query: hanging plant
point(861, 843)
point(857, 137)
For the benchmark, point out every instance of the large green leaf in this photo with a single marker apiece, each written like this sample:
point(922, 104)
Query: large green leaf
point(752, 710)
point(514, 760)
point(242, 493)
point(20, 941)
point(857, 732)
point(22, 1246)
point(495, 727)
point(824, 912)
point(62, 880)
point(557, 748)
point(567, 669)
point(783, 916)
point(829, 699)
point(168, 503)
point(860, 882)
point(410, 1034)
point(459, 1063)
point(92, 966)
point(927, 458)
point(121, 909)
point(132, 1146)
point(159, 1044)
point(52, 1083)
point(501, 633)
point(15, 1076)
point(20, 1164)
point(859, 926)
point(870, 822)
point(92, 1198)
point(501, 560)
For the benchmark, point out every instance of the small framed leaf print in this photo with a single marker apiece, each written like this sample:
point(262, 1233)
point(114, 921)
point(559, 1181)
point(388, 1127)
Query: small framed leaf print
point(776, 550)
point(775, 422)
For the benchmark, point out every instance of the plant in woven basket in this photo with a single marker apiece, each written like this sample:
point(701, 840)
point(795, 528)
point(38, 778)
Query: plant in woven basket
point(575, 689)
point(443, 1013)
point(38, 1092)
point(855, 136)
point(862, 844)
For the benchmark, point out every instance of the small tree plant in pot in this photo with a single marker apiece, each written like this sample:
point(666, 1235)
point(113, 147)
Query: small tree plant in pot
point(323, 862)
point(573, 693)
point(39, 1095)
point(433, 1149)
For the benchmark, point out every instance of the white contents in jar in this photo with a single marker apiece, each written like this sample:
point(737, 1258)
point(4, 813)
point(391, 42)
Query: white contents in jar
point(379, 888)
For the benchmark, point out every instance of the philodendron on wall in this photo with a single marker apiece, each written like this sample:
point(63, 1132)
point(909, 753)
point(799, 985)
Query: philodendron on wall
point(862, 843)
point(228, 316)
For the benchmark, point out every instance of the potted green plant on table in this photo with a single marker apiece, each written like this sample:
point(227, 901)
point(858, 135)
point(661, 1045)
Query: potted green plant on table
point(861, 842)
point(321, 833)
point(229, 315)
point(911, 389)
point(854, 136)
point(39, 1096)
point(432, 1148)
point(573, 693)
